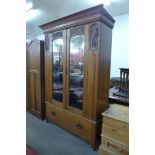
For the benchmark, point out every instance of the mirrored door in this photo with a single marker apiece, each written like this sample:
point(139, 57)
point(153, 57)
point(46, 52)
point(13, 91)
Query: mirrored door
point(57, 68)
point(76, 68)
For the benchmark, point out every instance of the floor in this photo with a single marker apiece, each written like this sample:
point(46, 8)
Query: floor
point(50, 139)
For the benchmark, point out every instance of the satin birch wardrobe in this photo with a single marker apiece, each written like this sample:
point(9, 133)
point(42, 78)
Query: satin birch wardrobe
point(77, 71)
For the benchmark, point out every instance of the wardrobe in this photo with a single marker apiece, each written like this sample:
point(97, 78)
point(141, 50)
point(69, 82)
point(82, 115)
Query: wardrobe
point(77, 71)
point(35, 78)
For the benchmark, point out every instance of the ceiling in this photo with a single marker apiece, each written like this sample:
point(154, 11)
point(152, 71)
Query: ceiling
point(48, 10)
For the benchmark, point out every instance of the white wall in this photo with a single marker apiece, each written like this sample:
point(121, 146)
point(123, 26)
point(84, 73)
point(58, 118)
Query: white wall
point(41, 37)
point(120, 45)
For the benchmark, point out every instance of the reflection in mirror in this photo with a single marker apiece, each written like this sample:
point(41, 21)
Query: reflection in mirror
point(76, 68)
point(57, 74)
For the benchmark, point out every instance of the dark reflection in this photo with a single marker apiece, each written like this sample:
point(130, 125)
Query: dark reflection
point(57, 70)
point(76, 71)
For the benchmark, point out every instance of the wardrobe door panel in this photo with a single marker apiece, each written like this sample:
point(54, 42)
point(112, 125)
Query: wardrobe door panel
point(48, 77)
point(34, 55)
point(35, 78)
point(48, 61)
point(76, 69)
point(37, 92)
point(32, 90)
point(58, 68)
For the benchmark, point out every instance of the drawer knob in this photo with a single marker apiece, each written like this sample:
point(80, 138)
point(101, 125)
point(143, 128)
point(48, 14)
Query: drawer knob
point(53, 113)
point(113, 130)
point(124, 126)
point(120, 150)
point(79, 126)
point(114, 147)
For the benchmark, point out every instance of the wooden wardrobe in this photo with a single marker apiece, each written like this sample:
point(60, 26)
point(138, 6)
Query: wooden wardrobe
point(35, 78)
point(77, 71)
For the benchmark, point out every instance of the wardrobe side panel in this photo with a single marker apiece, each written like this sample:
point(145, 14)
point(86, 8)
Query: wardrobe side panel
point(104, 68)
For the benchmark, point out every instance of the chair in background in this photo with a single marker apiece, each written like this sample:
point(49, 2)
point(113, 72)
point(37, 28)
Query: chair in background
point(124, 82)
point(119, 88)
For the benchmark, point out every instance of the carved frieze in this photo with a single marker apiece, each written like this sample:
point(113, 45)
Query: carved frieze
point(46, 46)
point(77, 31)
point(93, 39)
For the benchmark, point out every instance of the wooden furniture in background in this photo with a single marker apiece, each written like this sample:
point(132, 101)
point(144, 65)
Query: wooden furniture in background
point(115, 131)
point(35, 78)
point(113, 98)
point(115, 82)
point(119, 88)
point(124, 80)
point(77, 71)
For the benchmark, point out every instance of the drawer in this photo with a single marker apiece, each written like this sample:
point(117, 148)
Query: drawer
point(114, 146)
point(79, 126)
point(55, 114)
point(104, 151)
point(117, 135)
point(122, 126)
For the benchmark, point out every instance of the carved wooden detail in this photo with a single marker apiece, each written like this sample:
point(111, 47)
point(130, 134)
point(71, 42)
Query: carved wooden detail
point(93, 39)
point(57, 35)
point(77, 31)
point(46, 43)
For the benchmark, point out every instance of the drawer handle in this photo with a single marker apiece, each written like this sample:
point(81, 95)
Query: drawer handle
point(114, 147)
point(79, 126)
point(120, 150)
point(113, 130)
point(124, 126)
point(53, 113)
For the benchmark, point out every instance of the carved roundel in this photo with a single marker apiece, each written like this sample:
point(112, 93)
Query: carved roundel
point(93, 39)
point(46, 43)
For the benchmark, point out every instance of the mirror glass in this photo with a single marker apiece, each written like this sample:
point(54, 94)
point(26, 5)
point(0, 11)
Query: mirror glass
point(57, 70)
point(76, 68)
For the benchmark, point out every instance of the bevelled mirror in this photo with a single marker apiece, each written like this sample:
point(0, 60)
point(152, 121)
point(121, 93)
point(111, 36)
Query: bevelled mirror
point(76, 69)
point(57, 70)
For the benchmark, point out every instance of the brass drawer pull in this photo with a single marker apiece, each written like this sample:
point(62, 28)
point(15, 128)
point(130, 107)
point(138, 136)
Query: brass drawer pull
point(124, 126)
point(113, 130)
point(53, 113)
point(120, 149)
point(79, 126)
point(114, 147)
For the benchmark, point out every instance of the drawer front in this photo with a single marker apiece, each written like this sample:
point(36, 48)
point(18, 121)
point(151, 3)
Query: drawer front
point(79, 126)
point(55, 114)
point(104, 151)
point(122, 126)
point(114, 147)
point(115, 134)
